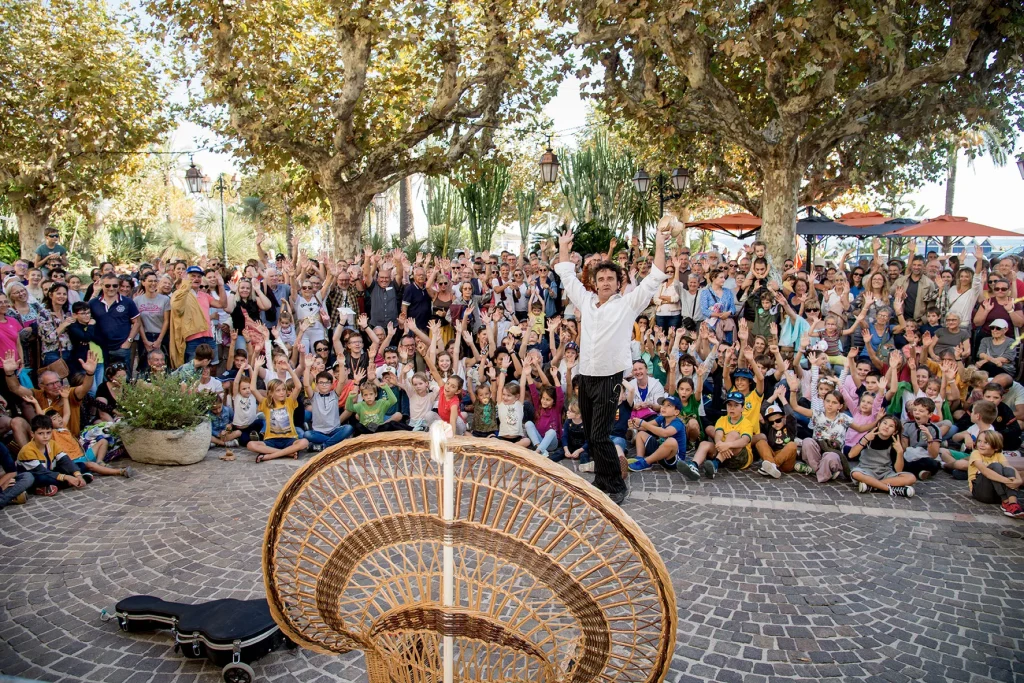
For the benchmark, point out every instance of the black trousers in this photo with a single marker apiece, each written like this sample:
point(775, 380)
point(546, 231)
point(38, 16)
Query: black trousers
point(599, 399)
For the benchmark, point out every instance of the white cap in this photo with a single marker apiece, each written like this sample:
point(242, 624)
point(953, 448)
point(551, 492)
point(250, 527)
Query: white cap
point(385, 369)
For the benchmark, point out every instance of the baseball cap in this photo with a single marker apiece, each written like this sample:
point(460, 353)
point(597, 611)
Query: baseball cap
point(572, 345)
point(279, 257)
point(772, 410)
point(671, 399)
point(194, 269)
point(998, 322)
point(735, 397)
point(385, 369)
point(743, 372)
point(819, 261)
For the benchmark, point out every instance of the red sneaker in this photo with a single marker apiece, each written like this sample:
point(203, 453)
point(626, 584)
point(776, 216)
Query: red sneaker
point(1012, 509)
point(50, 490)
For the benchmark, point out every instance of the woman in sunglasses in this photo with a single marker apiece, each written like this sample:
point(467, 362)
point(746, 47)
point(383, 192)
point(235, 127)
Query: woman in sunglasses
point(1001, 305)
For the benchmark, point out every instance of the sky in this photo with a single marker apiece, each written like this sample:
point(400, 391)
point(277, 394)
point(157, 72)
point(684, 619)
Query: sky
point(985, 193)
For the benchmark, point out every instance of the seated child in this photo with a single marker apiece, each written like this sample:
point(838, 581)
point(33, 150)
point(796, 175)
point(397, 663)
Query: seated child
point(325, 429)
point(278, 407)
point(983, 416)
point(877, 460)
point(510, 409)
point(547, 408)
point(777, 443)
point(660, 439)
point(193, 369)
point(574, 439)
point(923, 445)
point(49, 469)
point(247, 420)
point(90, 461)
point(222, 430)
point(998, 482)
point(733, 434)
point(370, 412)
point(483, 422)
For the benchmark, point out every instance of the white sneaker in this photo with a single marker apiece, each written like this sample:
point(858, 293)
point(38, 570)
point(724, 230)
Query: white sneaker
point(231, 444)
point(862, 487)
point(586, 467)
point(770, 469)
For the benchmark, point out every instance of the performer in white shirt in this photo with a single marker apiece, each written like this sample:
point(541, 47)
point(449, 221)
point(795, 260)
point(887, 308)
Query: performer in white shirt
point(605, 331)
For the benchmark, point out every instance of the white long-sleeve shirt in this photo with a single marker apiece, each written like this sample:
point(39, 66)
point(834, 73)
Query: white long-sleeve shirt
point(605, 331)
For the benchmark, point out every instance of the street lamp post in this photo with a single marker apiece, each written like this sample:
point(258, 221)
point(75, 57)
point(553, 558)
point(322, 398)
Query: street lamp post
point(199, 183)
point(679, 180)
point(1020, 166)
point(380, 204)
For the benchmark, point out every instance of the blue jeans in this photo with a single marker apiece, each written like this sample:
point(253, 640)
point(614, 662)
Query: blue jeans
point(190, 347)
point(119, 355)
point(22, 482)
point(336, 435)
point(667, 321)
point(53, 356)
point(545, 444)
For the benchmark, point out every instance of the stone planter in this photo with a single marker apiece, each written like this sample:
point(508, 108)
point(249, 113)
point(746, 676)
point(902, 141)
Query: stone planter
point(168, 446)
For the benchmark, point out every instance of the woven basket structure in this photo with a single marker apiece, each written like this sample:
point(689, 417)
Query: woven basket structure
point(553, 582)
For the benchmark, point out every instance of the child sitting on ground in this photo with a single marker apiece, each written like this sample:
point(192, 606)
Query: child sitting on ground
point(983, 417)
point(370, 411)
point(776, 445)
point(63, 441)
point(545, 431)
point(574, 439)
point(660, 439)
point(278, 407)
point(731, 446)
point(484, 419)
point(510, 410)
point(998, 482)
point(923, 446)
point(247, 420)
point(49, 469)
point(222, 431)
point(877, 460)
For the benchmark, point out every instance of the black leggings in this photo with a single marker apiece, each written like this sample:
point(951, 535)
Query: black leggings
point(987, 491)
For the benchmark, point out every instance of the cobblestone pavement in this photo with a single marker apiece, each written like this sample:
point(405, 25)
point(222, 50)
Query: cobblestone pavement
point(776, 580)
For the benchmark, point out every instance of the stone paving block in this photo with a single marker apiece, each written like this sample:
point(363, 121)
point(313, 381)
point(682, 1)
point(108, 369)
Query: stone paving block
point(776, 580)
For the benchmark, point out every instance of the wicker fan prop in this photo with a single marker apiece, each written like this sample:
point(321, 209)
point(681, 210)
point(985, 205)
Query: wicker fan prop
point(552, 582)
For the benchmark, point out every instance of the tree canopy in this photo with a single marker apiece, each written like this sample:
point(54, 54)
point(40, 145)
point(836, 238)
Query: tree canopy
point(362, 94)
point(790, 100)
point(78, 95)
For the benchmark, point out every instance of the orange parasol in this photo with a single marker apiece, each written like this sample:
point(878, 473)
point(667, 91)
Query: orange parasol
point(862, 219)
point(951, 226)
point(740, 225)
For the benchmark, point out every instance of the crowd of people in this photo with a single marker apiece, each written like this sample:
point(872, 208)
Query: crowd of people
point(879, 372)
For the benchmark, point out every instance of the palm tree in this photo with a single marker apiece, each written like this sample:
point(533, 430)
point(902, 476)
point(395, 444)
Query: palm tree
point(975, 142)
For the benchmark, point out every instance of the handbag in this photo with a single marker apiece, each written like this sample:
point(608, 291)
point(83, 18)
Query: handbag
point(58, 366)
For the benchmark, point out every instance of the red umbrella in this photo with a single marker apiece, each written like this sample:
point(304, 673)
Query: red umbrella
point(951, 226)
point(741, 225)
point(862, 219)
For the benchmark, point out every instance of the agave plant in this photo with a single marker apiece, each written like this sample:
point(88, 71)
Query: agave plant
point(172, 241)
point(239, 234)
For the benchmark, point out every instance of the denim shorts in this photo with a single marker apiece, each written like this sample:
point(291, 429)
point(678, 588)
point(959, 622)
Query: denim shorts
point(278, 444)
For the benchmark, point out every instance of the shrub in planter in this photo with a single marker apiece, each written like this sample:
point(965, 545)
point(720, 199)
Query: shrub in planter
point(165, 423)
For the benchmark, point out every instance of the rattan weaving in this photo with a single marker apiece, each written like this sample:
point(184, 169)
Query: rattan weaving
point(553, 582)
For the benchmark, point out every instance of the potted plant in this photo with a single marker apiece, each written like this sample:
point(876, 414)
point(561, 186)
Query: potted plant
point(165, 421)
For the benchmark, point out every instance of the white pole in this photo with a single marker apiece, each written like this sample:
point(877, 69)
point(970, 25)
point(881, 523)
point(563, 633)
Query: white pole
point(439, 453)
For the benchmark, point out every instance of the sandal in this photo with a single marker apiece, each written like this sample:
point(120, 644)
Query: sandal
point(260, 457)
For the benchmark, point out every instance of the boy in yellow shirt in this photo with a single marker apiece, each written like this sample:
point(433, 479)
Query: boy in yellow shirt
point(47, 467)
point(733, 434)
point(64, 442)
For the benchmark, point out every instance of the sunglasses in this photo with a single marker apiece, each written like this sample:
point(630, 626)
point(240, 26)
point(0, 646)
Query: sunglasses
point(1000, 289)
point(111, 286)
